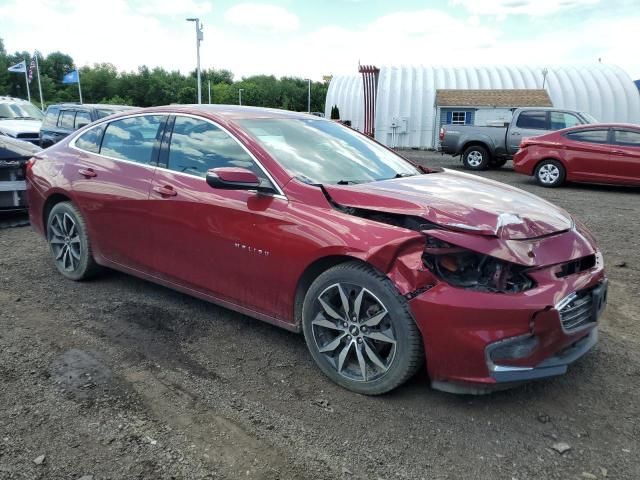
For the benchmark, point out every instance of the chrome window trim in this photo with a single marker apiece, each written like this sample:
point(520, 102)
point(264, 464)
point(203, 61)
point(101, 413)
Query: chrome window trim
point(72, 144)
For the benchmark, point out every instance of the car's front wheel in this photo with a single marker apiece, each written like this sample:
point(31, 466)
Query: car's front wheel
point(69, 243)
point(359, 330)
point(550, 173)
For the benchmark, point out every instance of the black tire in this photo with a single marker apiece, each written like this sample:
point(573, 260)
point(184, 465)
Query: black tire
point(550, 173)
point(69, 243)
point(476, 157)
point(361, 338)
point(498, 163)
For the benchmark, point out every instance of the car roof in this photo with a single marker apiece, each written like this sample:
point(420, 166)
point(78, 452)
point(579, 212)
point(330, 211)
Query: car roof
point(105, 106)
point(596, 126)
point(231, 112)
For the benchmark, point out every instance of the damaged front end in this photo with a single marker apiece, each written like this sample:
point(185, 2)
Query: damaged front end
point(468, 269)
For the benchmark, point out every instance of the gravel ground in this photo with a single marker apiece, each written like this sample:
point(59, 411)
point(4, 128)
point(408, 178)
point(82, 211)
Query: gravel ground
point(120, 378)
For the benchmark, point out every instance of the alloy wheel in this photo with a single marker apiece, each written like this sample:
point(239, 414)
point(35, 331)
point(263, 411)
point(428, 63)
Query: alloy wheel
point(548, 173)
point(474, 158)
point(64, 240)
point(353, 330)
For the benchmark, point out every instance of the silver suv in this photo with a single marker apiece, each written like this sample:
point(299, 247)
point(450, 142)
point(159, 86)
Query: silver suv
point(20, 119)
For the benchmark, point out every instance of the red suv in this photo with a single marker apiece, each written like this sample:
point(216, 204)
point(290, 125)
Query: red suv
point(309, 225)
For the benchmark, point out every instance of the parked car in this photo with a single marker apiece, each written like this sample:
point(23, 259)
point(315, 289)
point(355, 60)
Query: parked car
point(61, 120)
point(20, 119)
point(601, 153)
point(14, 155)
point(491, 147)
point(312, 226)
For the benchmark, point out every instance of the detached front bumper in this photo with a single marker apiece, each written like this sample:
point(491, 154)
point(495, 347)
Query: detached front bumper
point(476, 342)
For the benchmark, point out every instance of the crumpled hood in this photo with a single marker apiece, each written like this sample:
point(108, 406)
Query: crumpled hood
point(14, 127)
point(459, 201)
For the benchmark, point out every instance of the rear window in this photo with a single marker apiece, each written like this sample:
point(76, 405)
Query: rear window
point(533, 120)
point(590, 136)
point(91, 139)
point(133, 138)
point(51, 117)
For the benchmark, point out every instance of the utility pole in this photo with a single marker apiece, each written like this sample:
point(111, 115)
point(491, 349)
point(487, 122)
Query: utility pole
point(240, 90)
point(209, 92)
point(309, 97)
point(199, 37)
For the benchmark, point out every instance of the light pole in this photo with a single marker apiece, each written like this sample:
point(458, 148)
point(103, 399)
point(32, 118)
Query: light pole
point(240, 90)
point(198, 40)
point(545, 72)
point(309, 97)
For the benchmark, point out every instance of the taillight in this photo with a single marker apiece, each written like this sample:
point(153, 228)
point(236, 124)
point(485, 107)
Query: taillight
point(441, 133)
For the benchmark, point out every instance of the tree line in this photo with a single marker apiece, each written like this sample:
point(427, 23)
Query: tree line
point(103, 83)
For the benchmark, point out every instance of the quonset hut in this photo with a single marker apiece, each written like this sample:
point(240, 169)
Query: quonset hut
point(400, 105)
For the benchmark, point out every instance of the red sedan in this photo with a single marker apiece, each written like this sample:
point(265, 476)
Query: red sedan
point(311, 226)
point(602, 153)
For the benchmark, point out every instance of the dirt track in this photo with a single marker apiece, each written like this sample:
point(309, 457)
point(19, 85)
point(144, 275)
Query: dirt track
point(120, 378)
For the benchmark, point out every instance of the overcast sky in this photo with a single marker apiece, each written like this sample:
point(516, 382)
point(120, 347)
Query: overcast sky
point(322, 37)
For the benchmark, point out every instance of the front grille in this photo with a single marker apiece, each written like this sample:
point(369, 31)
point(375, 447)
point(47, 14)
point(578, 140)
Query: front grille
point(578, 311)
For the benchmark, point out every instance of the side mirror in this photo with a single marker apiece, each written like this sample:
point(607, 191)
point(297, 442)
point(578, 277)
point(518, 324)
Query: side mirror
point(232, 178)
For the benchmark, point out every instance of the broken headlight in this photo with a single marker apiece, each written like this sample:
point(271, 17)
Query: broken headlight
point(472, 270)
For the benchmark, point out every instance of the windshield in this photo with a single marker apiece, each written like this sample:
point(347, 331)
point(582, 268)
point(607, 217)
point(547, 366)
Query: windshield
point(321, 151)
point(23, 111)
point(588, 117)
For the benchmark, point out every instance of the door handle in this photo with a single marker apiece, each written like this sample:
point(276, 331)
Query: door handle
point(617, 152)
point(166, 191)
point(87, 172)
point(516, 134)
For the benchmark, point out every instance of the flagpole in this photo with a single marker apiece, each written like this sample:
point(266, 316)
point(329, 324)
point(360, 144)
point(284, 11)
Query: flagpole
point(26, 79)
point(39, 84)
point(79, 88)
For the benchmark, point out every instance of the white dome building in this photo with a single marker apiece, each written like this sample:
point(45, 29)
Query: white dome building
point(407, 114)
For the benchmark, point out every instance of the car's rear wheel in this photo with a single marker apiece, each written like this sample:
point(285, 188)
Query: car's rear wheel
point(359, 330)
point(550, 173)
point(476, 158)
point(69, 243)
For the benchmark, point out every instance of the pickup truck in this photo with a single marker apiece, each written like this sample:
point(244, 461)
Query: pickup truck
point(491, 147)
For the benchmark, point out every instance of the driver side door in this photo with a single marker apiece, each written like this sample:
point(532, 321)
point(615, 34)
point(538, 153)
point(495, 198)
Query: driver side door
point(214, 241)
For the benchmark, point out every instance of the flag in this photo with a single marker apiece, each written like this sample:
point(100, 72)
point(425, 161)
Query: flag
point(19, 67)
point(71, 77)
point(32, 67)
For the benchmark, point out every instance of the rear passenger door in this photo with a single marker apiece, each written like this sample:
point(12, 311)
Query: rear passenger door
point(111, 177)
point(588, 154)
point(625, 154)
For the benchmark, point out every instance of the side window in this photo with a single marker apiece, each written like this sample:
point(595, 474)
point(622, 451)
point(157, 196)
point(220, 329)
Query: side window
point(533, 120)
point(627, 137)
point(66, 119)
point(590, 136)
point(82, 119)
point(91, 139)
point(133, 138)
point(197, 146)
point(560, 120)
point(51, 117)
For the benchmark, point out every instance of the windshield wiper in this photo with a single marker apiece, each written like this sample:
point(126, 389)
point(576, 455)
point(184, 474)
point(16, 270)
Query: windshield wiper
point(347, 182)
